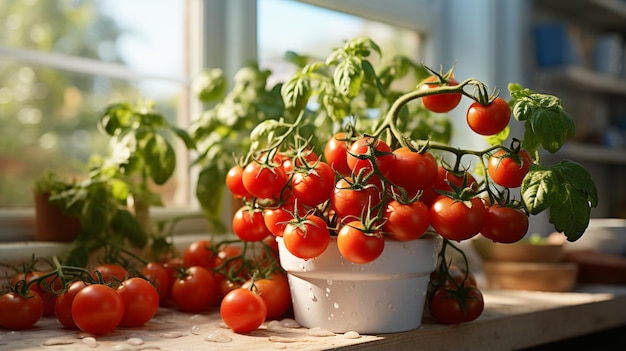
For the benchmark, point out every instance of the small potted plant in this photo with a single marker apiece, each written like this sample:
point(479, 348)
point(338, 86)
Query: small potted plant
point(52, 222)
point(354, 168)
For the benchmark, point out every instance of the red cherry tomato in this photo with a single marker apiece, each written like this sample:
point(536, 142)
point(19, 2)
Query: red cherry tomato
point(457, 220)
point(449, 308)
point(20, 312)
point(406, 221)
point(509, 170)
point(195, 290)
point(249, 224)
point(97, 309)
point(357, 246)
point(488, 119)
point(274, 290)
point(141, 301)
point(440, 103)
point(412, 171)
point(336, 153)
point(504, 224)
point(234, 182)
point(63, 306)
point(243, 311)
point(307, 239)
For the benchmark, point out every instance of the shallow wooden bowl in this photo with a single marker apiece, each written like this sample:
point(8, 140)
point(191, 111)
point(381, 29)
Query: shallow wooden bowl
point(556, 277)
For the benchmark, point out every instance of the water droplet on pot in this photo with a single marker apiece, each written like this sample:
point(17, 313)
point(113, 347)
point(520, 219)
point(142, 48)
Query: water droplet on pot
point(312, 296)
point(354, 315)
point(336, 305)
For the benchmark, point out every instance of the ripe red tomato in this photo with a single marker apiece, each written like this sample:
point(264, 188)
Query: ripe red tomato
point(195, 290)
point(508, 170)
point(307, 239)
point(141, 301)
point(412, 171)
point(243, 310)
point(274, 290)
point(289, 164)
point(110, 272)
point(234, 182)
point(97, 309)
point(406, 221)
point(199, 253)
point(315, 186)
point(461, 278)
point(446, 307)
point(443, 181)
point(504, 224)
point(230, 261)
point(371, 147)
point(159, 277)
point(45, 287)
point(351, 201)
point(276, 218)
point(63, 306)
point(249, 224)
point(336, 153)
point(457, 220)
point(20, 312)
point(357, 246)
point(263, 181)
point(488, 119)
point(440, 103)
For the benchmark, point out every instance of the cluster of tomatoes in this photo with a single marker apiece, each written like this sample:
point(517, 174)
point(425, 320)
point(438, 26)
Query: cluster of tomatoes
point(247, 290)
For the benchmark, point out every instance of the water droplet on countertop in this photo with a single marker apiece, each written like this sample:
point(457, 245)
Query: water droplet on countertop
point(218, 337)
point(90, 342)
point(319, 332)
point(290, 323)
point(351, 335)
point(135, 341)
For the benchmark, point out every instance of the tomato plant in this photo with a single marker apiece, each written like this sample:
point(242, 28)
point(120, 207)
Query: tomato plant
point(359, 244)
point(457, 220)
point(243, 310)
point(509, 169)
point(194, 290)
point(20, 312)
point(141, 301)
point(504, 224)
point(307, 238)
point(440, 103)
point(97, 309)
point(406, 221)
point(488, 119)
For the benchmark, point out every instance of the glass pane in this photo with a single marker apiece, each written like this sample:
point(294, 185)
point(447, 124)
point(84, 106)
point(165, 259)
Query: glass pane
point(314, 31)
point(145, 35)
point(48, 121)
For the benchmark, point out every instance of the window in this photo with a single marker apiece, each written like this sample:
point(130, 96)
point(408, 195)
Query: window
point(63, 61)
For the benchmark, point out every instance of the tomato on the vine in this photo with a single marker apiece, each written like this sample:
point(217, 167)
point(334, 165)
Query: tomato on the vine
point(450, 306)
point(457, 220)
point(276, 218)
point(199, 253)
point(158, 275)
point(97, 309)
point(440, 103)
point(504, 224)
point(488, 119)
point(249, 225)
point(351, 201)
point(509, 170)
point(20, 312)
point(412, 171)
point(264, 181)
point(234, 182)
point(274, 290)
point(406, 221)
point(308, 238)
point(194, 290)
point(314, 186)
point(336, 153)
point(358, 245)
point(63, 305)
point(110, 272)
point(372, 149)
point(243, 310)
point(141, 301)
point(443, 181)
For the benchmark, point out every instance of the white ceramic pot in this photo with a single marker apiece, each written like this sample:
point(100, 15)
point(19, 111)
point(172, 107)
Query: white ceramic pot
point(384, 296)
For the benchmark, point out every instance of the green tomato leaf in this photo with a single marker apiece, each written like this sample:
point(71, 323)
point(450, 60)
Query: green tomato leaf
point(499, 138)
point(537, 187)
point(210, 85)
point(124, 223)
point(160, 159)
point(296, 92)
point(348, 77)
point(210, 193)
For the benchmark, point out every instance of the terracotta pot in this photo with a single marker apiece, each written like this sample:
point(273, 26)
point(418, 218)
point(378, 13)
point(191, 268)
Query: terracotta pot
point(51, 224)
point(384, 296)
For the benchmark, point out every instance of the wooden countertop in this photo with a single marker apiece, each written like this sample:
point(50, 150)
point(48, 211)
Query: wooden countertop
point(512, 320)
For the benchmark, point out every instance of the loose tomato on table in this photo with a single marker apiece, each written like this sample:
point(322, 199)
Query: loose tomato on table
point(504, 224)
point(440, 103)
point(359, 245)
point(194, 290)
point(509, 169)
point(19, 312)
point(141, 301)
point(243, 310)
point(97, 309)
point(63, 305)
point(159, 276)
point(406, 221)
point(274, 290)
point(488, 119)
point(110, 272)
point(457, 220)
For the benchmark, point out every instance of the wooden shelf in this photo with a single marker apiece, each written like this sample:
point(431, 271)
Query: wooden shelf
point(609, 15)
